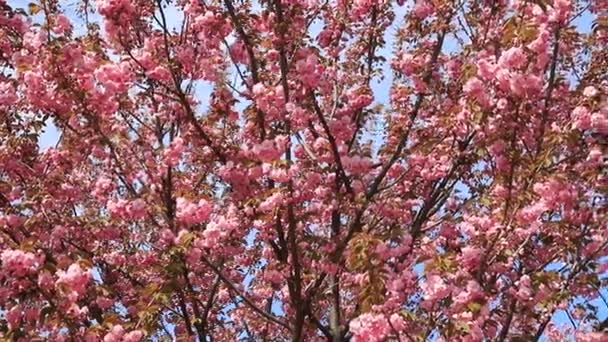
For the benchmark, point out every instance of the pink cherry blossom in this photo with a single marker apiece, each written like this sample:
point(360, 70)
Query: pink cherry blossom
point(74, 278)
point(302, 170)
point(62, 24)
point(18, 262)
point(191, 212)
point(513, 58)
point(370, 327)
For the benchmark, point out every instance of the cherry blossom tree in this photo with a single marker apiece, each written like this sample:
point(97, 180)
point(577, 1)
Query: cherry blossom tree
point(304, 170)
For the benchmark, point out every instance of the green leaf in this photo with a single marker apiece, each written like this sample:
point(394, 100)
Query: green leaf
point(151, 289)
point(474, 307)
point(186, 239)
point(33, 8)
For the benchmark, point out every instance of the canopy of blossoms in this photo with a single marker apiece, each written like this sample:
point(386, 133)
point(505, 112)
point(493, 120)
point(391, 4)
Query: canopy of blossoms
point(304, 170)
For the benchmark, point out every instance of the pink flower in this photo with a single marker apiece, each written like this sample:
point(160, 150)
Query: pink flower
point(258, 89)
point(212, 235)
point(541, 43)
point(133, 336)
point(115, 78)
point(590, 91)
point(524, 291)
point(422, 9)
point(62, 24)
point(174, 152)
point(34, 40)
point(45, 279)
point(471, 257)
point(273, 276)
point(586, 336)
point(18, 262)
point(269, 100)
point(473, 86)
point(267, 151)
point(271, 202)
point(192, 213)
point(36, 85)
point(434, 288)
point(216, 230)
point(503, 78)
point(14, 316)
point(525, 85)
point(560, 11)
point(167, 236)
point(397, 322)
point(497, 148)
point(407, 64)
point(14, 221)
point(360, 8)
point(599, 122)
point(75, 278)
point(307, 70)
point(531, 213)
point(117, 208)
point(136, 209)
point(582, 118)
point(369, 328)
point(102, 186)
point(160, 73)
point(595, 156)
point(7, 94)
point(279, 174)
point(454, 67)
point(77, 311)
point(475, 89)
point(512, 58)
point(239, 53)
point(356, 165)
point(115, 334)
point(486, 69)
point(114, 8)
point(358, 98)
point(555, 193)
point(473, 290)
